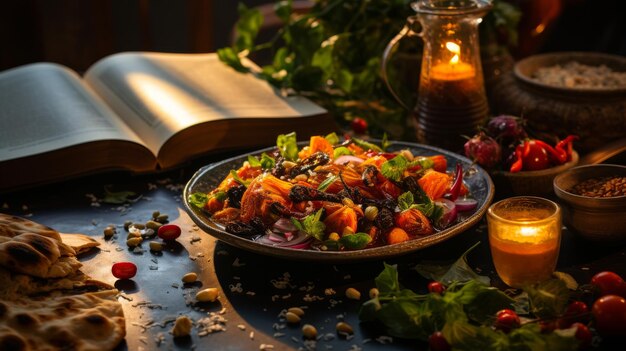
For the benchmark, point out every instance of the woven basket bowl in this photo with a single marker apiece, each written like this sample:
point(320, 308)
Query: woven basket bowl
point(533, 183)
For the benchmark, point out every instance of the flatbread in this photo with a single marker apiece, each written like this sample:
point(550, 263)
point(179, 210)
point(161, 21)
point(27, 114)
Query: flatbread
point(81, 243)
point(46, 302)
point(84, 322)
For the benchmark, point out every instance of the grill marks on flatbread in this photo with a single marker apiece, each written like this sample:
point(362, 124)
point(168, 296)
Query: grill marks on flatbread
point(46, 302)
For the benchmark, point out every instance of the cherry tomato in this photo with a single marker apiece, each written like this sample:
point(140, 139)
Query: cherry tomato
point(534, 157)
point(169, 232)
point(547, 326)
point(359, 125)
point(576, 311)
point(583, 334)
point(437, 342)
point(609, 283)
point(436, 287)
point(609, 313)
point(507, 320)
point(124, 270)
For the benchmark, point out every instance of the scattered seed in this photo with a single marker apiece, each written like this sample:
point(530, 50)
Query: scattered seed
point(297, 311)
point(162, 218)
point(135, 241)
point(353, 294)
point(156, 214)
point(374, 293)
point(309, 331)
point(139, 225)
point(156, 246)
point(127, 225)
point(190, 277)
point(182, 327)
point(209, 294)
point(292, 318)
point(371, 212)
point(108, 232)
point(153, 225)
point(345, 328)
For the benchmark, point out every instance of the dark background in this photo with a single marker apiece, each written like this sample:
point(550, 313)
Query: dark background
point(77, 33)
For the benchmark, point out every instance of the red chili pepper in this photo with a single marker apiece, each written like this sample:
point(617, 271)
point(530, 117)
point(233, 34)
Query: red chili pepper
point(559, 156)
point(517, 164)
point(567, 145)
point(458, 182)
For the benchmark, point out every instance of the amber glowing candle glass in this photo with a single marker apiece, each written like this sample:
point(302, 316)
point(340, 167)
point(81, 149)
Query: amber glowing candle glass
point(525, 237)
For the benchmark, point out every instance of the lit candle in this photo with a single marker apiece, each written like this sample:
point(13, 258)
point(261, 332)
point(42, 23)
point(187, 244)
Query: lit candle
point(524, 236)
point(453, 69)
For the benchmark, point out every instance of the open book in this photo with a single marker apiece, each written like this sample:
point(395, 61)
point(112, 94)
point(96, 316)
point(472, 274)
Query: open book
point(140, 112)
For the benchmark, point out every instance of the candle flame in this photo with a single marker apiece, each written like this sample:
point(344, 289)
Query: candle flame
point(456, 50)
point(528, 231)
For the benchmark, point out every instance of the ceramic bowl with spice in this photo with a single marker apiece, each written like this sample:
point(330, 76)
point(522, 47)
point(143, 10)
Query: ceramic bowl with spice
point(594, 201)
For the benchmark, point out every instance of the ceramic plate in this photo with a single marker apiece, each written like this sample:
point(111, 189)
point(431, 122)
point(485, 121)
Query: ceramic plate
point(208, 177)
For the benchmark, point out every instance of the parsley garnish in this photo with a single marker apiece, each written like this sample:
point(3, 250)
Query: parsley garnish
point(287, 145)
point(311, 224)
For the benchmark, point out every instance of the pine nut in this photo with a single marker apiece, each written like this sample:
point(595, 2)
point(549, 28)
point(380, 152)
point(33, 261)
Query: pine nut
point(374, 293)
point(190, 277)
point(309, 331)
point(182, 327)
point(156, 246)
point(353, 294)
point(153, 225)
point(207, 295)
point(292, 317)
point(132, 242)
point(296, 310)
point(345, 328)
point(371, 212)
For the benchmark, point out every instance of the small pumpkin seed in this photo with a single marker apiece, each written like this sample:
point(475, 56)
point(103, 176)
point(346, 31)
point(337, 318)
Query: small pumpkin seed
point(347, 201)
point(371, 212)
point(139, 225)
point(162, 218)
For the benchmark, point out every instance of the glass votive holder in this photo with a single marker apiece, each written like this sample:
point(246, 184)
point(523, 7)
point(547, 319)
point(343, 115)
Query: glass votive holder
point(525, 237)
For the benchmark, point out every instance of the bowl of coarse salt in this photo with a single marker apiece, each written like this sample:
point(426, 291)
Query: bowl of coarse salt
point(582, 93)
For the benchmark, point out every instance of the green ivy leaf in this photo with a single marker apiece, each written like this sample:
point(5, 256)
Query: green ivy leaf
point(248, 25)
point(459, 271)
point(230, 57)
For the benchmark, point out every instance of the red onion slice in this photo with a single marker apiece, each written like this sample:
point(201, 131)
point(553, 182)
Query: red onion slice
point(449, 213)
point(465, 204)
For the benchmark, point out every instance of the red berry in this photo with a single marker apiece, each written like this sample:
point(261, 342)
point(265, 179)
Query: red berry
point(359, 125)
point(437, 342)
point(609, 313)
point(436, 287)
point(169, 232)
point(124, 270)
point(507, 320)
point(609, 283)
point(576, 311)
point(583, 334)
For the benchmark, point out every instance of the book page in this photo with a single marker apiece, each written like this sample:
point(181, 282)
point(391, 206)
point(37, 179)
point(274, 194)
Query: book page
point(160, 94)
point(46, 107)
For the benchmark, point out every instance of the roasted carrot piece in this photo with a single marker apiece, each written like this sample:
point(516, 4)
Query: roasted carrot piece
point(214, 205)
point(441, 164)
point(397, 235)
point(413, 222)
point(435, 184)
point(340, 220)
point(226, 215)
point(317, 143)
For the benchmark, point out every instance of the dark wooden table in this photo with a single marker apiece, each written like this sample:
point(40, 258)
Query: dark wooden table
point(254, 289)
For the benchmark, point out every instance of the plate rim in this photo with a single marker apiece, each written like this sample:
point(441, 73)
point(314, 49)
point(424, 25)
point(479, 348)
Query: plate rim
point(380, 252)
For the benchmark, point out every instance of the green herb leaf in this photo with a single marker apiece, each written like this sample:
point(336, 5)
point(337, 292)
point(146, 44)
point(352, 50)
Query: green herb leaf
point(332, 138)
point(405, 201)
point(384, 144)
point(253, 161)
point(366, 145)
point(311, 225)
point(342, 150)
point(481, 302)
point(394, 168)
point(283, 10)
point(387, 280)
point(238, 179)
point(459, 271)
point(287, 145)
point(326, 183)
point(248, 25)
point(267, 162)
point(423, 162)
point(548, 298)
point(230, 57)
point(198, 199)
point(355, 241)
